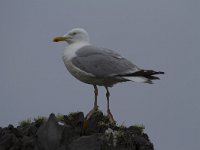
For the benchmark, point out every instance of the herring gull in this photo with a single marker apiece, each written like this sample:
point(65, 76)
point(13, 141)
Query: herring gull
point(99, 66)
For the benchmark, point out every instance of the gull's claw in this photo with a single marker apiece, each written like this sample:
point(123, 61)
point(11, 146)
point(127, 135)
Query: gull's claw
point(110, 117)
point(88, 116)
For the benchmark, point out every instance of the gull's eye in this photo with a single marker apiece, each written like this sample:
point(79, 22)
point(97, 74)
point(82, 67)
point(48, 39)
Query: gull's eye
point(74, 33)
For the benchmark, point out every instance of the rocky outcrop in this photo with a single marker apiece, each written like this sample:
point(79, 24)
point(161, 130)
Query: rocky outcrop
point(72, 132)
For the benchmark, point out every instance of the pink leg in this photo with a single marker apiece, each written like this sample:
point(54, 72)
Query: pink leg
point(95, 108)
point(109, 114)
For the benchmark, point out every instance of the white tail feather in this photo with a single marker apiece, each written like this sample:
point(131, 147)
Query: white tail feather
point(138, 79)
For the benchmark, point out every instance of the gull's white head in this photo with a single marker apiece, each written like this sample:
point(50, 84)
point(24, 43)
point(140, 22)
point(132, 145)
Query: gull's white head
point(74, 35)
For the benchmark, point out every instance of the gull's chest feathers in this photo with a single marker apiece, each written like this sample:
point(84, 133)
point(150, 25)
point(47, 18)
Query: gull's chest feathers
point(69, 53)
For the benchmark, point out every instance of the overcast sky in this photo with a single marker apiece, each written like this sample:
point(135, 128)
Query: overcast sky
point(154, 34)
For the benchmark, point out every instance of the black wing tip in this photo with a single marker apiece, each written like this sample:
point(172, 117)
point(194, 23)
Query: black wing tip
point(160, 72)
point(153, 77)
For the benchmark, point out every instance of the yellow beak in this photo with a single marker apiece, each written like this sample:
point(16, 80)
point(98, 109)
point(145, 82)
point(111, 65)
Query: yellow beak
point(59, 38)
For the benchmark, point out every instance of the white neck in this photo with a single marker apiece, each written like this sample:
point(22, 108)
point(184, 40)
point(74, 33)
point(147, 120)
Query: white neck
point(70, 50)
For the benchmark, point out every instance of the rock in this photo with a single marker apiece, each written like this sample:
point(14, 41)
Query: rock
point(93, 142)
point(74, 133)
point(8, 140)
point(28, 130)
point(74, 119)
point(50, 134)
point(28, 143)
point(97, 123)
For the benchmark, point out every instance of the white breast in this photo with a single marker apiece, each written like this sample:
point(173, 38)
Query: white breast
point(69, 53)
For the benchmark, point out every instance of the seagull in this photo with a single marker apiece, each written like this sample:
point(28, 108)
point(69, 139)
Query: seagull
point(99, 66)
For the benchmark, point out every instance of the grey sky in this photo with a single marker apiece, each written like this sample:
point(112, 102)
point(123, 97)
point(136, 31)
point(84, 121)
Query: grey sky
point(155, 34)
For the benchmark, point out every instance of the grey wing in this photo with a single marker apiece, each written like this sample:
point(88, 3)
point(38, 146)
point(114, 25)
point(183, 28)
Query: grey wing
point(102, 62)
